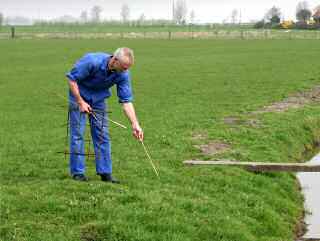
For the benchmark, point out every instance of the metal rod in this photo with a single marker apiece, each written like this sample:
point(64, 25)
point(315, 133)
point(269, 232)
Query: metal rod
point(94, 115)
point(75, 153)
point(67, 137)
point(89, 142)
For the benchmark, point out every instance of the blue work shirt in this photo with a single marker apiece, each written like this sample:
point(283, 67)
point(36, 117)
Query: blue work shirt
point(95, 79)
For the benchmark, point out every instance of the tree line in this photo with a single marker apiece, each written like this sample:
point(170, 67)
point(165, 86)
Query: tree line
point(306, 18)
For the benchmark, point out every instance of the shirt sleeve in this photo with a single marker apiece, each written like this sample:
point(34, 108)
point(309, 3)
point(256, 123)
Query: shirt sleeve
point(82, 69)
point(124, 90)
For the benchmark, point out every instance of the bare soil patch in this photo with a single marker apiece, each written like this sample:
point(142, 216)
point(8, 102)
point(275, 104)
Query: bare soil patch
point(233, 120)
point(213, 148)
point(294, 101)
point(199, 136)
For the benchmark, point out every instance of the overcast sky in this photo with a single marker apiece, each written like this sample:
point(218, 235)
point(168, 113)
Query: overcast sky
point(205, 10)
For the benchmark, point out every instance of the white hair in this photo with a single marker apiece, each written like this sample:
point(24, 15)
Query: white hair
point(124, 55)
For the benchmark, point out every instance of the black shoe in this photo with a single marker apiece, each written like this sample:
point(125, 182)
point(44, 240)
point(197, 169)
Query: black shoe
point(107, 177)
point(80, 177)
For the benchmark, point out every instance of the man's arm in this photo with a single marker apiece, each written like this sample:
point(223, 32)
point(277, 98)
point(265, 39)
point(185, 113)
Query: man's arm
point(131, 114)
point(84, 106)
point(80, 71)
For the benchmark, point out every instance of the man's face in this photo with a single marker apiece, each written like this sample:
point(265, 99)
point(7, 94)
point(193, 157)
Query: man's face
point(119, 66)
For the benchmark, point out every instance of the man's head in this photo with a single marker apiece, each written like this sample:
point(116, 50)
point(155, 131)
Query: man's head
point(122, 60)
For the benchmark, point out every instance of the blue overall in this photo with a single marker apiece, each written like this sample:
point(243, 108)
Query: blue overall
point(94, 80)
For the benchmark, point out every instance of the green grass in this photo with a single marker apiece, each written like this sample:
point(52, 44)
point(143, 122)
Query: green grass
point(181, 87)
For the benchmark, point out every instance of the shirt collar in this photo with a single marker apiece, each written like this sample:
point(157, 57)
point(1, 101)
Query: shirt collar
point(105, 63)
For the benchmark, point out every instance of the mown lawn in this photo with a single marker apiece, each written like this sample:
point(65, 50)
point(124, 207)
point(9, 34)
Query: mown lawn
point(181, 88)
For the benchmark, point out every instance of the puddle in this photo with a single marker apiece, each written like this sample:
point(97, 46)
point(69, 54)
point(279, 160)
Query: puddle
point(310, 183)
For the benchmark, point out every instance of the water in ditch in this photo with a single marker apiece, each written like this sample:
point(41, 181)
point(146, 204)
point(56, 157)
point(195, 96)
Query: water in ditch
point(310, 183)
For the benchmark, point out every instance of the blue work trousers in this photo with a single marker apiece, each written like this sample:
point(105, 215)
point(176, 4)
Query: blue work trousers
point(99, 133)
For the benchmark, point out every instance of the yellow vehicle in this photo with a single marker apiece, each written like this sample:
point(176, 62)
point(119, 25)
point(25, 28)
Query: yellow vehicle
point(286, 24)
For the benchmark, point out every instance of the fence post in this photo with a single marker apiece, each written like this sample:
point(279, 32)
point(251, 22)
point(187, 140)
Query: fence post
point(169, 35)
point(216, 32)
point(191, 30)
point(242, 36)
point(12, 32)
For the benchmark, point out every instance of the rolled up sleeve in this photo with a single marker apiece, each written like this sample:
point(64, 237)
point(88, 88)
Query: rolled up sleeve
point(124, 90)
point(81, 70)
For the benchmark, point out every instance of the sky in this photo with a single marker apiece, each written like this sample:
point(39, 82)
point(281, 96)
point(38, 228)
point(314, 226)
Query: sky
point(205, 10)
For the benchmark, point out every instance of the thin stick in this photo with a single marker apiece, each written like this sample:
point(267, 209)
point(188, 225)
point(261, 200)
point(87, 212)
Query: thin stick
point(124, 127)
point(117, 123)
point(94, 115)
point(153, 166)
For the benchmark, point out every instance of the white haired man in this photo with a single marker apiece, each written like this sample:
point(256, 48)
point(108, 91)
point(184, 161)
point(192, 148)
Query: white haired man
point(90, 81)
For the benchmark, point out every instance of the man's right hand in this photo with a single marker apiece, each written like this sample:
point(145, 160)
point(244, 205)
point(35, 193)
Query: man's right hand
point(85, 107)
point(137, 131)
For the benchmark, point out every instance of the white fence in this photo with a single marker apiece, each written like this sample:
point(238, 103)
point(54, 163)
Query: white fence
point(218, 34)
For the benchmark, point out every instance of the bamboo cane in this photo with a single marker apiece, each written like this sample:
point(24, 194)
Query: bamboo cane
point(149, 157)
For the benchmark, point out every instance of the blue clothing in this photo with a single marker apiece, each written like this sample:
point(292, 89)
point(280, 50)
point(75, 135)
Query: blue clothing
point(100, 138)
point(94, 80)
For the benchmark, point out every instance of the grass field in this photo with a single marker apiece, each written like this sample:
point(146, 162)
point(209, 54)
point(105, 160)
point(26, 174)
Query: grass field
point(181, 88)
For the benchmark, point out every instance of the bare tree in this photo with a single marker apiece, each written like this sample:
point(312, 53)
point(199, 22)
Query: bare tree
point(234, 16)
point(125, 13)
point(1, 19)
point(141, 19)
point(65, 19)
point(192, 16)
point(180, 12)
point(96, 13)
point(273, 15)
point(84, 17)
point(316, 14)
point(303, 13)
